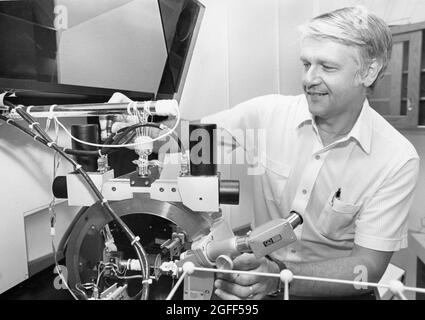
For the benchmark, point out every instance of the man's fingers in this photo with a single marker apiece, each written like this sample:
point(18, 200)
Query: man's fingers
point(118, 97)
point(230, 290)
point(227, 276)
point(235, 289)
point(241, 279)
point(225, 296)
point(246, 262)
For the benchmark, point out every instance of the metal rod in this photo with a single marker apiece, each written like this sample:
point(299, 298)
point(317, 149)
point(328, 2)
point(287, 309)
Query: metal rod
point(161, 107)
point(176, 286)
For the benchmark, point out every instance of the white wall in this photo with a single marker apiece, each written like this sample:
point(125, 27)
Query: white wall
point(26, 171)
point(291, 15)
point(235, 58)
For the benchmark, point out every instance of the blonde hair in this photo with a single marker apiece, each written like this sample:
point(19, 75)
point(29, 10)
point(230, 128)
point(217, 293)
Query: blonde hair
point(355, 26)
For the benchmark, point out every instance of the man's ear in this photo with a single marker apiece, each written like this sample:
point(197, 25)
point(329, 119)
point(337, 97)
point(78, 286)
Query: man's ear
point(371, 73)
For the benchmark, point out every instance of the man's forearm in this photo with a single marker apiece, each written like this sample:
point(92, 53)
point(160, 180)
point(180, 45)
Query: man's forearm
point(351, 268)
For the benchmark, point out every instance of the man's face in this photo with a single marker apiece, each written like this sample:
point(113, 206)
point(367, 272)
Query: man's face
point(331, 79)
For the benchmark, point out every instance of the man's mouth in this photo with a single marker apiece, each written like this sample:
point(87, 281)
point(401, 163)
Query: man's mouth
point(310, 93)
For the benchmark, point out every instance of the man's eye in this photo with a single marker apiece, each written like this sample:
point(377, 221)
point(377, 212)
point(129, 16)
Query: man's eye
point(306, 65)
point(328, 68)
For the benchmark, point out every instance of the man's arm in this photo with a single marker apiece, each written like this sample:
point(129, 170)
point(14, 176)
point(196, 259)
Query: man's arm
point(363, 265)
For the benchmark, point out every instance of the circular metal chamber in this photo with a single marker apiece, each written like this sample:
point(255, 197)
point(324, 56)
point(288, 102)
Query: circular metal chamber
point(153, 221)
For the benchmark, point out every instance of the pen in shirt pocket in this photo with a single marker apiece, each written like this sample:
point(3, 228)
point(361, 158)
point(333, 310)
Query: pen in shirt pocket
point(337, 196)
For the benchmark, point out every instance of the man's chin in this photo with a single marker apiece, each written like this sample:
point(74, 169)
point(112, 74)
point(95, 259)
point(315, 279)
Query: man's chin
point(317, 110)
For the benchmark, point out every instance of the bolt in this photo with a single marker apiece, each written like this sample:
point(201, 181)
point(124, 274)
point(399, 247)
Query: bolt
point(114, 189)
point(161, 189)
point(146, 183)
point(132, 183)
point(173, 189)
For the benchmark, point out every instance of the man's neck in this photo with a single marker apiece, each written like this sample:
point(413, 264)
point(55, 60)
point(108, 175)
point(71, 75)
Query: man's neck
point(334, 128)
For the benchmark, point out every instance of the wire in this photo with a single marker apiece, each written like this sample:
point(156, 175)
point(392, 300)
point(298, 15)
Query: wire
point(64, 281)
point(12, 122)
point(169, 132)
point(128, 277)
point(81, 291)
point(56, 164)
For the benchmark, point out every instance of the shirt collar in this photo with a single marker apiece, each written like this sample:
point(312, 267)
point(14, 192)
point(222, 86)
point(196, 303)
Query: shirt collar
point(361, 131)
point(304, 114)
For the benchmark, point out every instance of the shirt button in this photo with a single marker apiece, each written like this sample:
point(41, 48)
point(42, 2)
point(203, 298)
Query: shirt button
point(304, 191)
point(317, 157)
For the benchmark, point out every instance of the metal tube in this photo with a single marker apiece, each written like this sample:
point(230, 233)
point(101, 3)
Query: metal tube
point(220, 247)
point(295, 219)
point(203, 150)
point(242, 244)
point(229, 192)
point(96, 109)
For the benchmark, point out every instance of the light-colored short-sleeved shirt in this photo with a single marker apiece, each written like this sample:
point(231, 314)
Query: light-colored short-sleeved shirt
point(358, 189)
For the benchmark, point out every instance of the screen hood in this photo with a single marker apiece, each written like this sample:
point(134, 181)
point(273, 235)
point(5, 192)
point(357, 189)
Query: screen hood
point(129, 45)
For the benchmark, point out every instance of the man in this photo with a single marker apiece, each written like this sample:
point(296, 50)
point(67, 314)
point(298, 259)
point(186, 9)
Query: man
point(333, 159)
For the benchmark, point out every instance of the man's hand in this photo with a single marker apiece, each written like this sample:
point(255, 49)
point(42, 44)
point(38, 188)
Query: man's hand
point(109, 125)
point(244, 286)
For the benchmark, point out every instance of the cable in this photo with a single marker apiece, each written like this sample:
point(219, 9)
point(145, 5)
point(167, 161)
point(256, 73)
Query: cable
point(126, 130)
point(36, 137)
point(64, 281)
point(105, 149)
point(12, 122)
point(115, 146)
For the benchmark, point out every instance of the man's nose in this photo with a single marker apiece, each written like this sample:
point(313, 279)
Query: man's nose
point(311, 77)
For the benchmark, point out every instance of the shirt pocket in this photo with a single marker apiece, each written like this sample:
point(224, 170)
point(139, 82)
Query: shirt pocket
point(274, 179)
point(337, 220)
